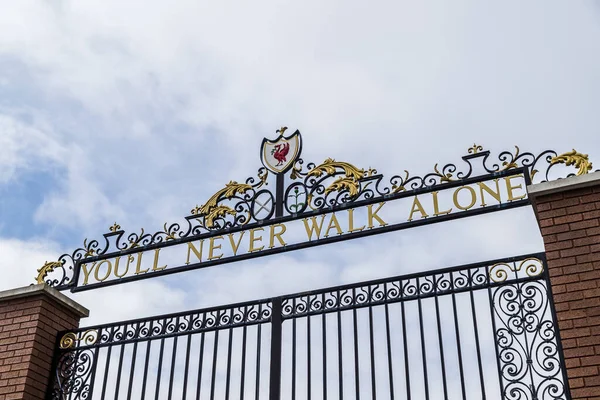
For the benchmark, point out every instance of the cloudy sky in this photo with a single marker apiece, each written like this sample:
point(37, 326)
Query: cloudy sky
point(136, 111)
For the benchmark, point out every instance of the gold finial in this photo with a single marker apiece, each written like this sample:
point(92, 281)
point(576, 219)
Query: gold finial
point(475, 149)
point(115, 227)
point(281, 130)
point(576, 159)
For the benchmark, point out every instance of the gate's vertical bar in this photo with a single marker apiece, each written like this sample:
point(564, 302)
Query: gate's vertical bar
point(440, 335)
point(563, 367)
point(279, 193)
point(493, 318)
point(457, 333)
point(275, 367)
point(476, 331)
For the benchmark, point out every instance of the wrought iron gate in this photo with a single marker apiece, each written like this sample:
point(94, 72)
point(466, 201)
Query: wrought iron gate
point(478, 331)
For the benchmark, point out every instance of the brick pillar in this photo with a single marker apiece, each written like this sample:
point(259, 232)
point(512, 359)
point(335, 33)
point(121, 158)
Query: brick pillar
point(30, 319)
point(568, 213)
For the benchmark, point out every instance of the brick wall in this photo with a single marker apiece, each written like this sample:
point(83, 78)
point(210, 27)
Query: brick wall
point(28, 328)
point(569, 220)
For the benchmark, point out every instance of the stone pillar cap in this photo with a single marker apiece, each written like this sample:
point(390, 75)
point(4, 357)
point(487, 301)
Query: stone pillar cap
point(43, 289)
point(563, 185)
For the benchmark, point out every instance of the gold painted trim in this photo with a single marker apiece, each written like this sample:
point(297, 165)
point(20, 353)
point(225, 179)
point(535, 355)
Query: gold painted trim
point(579, 160)
point(211, 210)
point(498, 274)
point(475, 149)
point(47, 268)
point(349, 182)
point(70, 340)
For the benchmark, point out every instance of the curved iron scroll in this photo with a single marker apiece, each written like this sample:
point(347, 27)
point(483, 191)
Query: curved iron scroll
point(318, 187)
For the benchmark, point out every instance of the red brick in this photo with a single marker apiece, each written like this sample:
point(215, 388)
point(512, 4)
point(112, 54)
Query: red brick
point(588, 240)
point(576, 383)
point(568, 219)
point(578, 268)
point(580, 208)
point(569, 296)
point(592, 381)
point(574, 287)
point(543, 207)
point(568, 202)
point(548, 230)
point(579, 352)
point(590, 340)
point(592, 231)
point(576, 251)
point(583, 371)
point(575, 333)
point(588, 223)
point(585, 392)
point(565, 244)
point(553, 213)
point(562, 279)
point(590, 198)
point(571, 235)
point(562, 262)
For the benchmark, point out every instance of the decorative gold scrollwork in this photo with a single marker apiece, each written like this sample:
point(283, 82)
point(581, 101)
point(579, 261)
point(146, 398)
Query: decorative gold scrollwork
point(512, 164)
point(211, 210)
point(443, 177)
point(475, 149)
point(579, 160)
point(70, 339)
point(46, 269)
point(499, 272)
point(349, 182)
point(115, 227)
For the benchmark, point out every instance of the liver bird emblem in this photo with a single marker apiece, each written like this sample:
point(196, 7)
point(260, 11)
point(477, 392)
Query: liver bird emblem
point(280, 153)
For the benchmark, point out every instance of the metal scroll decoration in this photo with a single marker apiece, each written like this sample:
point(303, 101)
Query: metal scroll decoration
point(301, 190)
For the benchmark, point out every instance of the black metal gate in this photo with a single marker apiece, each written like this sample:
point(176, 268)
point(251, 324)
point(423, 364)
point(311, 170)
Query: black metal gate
point(478, 331)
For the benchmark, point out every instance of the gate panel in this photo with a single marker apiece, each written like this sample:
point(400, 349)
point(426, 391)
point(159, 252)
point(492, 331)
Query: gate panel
point(479, 331)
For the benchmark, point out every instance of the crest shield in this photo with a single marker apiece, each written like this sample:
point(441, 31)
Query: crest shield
point(280, 154)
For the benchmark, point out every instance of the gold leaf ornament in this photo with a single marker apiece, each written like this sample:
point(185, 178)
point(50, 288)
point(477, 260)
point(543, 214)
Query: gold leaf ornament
point(578, 160)
point(330, 166)
point(349, 182)
point(68, 340)
point(47, 268)
point(211, 210)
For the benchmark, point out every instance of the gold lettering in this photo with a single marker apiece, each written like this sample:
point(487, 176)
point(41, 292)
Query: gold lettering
point(108, 271)
point(417, 206)
point(139, 264)
point(212, 247)
point(485, 188)
point(313, 227)
point(436, 206)
point(351, 222)
point(155, 267)
point(373, 215)
point(86, 272)
point(255, 239)
point(274, 235)
point(510, 188)
point(129, 259)
point(333, 223)
point(235, 246)
point(197, 252)
point(473, 198)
